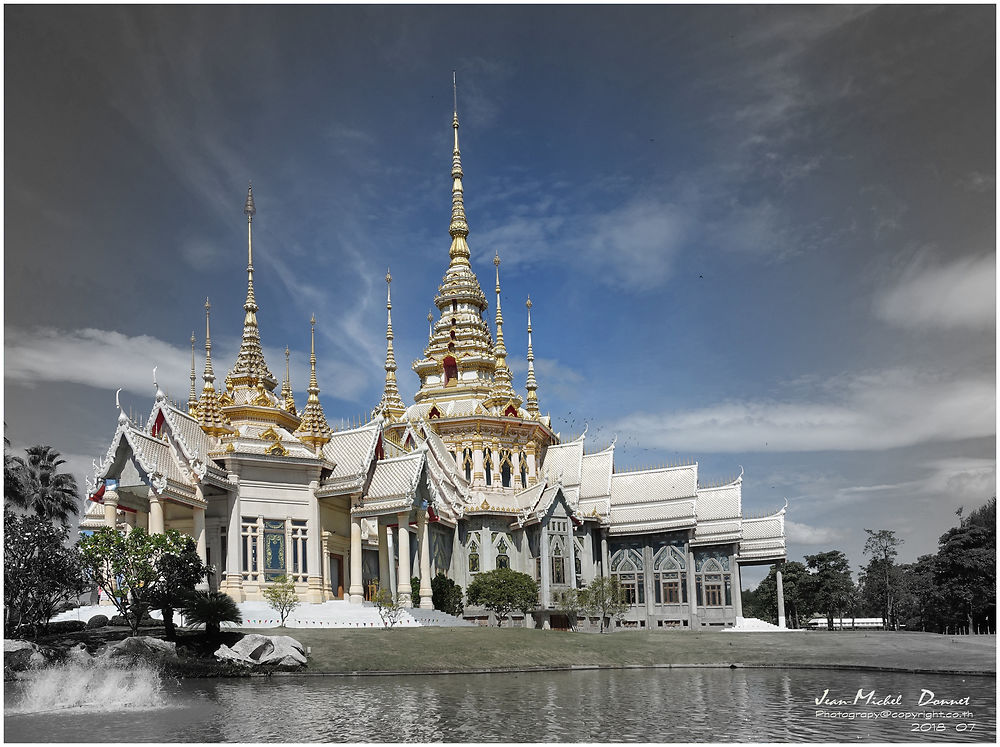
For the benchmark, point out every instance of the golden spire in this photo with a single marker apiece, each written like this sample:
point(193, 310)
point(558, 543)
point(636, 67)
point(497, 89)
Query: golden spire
point(391, 404)
point(502, 390)
point(532, 404)
point(430, 325)
point(459, 228)
point(210, 414)
point(286, 387)
point(313, 429)
point(193, 393)
point(250, 368)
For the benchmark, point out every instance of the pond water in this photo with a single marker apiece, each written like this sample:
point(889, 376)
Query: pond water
point(81, 704)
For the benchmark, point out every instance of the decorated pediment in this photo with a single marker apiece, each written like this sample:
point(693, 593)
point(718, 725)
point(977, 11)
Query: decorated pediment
point(270, 435)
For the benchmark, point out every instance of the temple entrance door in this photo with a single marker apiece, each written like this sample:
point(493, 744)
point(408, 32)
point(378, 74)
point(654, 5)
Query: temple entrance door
point(337, 576)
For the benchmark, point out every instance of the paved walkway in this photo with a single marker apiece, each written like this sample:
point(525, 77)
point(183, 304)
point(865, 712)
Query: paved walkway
point(335, 614)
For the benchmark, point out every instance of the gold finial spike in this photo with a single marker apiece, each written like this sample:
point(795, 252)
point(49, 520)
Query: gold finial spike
point(209, 373)
point(430, 325)
point(313, 428)
point(391, 404)
point(531, 385)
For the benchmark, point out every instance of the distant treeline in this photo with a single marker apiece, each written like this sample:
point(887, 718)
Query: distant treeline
point(951, 591)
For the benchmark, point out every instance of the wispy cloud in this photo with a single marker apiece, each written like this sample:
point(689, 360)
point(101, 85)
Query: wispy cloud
point(959, 294)
point(106, 359)
point(810, 535)
point(879, 410)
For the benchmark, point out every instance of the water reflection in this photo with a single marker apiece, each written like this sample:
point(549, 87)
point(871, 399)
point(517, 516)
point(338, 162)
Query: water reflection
point(661, 705)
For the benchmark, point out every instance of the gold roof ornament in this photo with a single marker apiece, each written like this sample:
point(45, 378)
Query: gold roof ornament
point(503, 389)
point(531, 385)
point(391, 405)
point(193, 393)
point(286, 388)
point(250, 365)
point(210, 415)
point(313, 429)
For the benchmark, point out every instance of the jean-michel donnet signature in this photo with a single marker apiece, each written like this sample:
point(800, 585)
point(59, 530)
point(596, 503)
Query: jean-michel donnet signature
point(875, 698)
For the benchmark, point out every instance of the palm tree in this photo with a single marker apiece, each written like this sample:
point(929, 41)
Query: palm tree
point(211, 609)
point(42, 488)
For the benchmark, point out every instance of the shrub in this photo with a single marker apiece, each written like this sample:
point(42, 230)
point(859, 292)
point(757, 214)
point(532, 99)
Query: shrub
point(388, 608)
point(415, 591)
point(67, 626)
point(97, 621)
point(503, 591)
point(211, 609)
point(447, 595)
point(118, 620)
point(282, 597)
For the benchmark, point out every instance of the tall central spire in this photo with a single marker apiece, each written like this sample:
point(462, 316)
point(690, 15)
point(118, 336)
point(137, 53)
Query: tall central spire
point(251, 369)
point(459, 228)
point(391, 404)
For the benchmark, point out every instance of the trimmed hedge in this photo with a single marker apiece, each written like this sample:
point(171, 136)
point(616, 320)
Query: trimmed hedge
point(97, 621)
point(67, 626)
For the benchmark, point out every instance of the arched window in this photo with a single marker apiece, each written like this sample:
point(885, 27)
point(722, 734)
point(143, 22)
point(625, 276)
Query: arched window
point(450, 370)
point(626, 565)
point(558, 561)
point(505, 468)
point(454, 306)
point(669, 576)
point(453, 334)
point(451, 347)
point(434, 413)
point(503, 559)
point(524, 469)
point(713, 580)
point(467, 464)
point(511, 411)
point(473, 555)
point(488, 466)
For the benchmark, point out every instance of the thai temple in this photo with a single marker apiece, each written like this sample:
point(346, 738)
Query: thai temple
point(468, 478)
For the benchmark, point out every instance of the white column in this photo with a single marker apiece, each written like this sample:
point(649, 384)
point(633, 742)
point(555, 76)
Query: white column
point(737, 587)
point(546, 568)
point(572, 556)
point(781, 599)
point(314, 534)
point(198, 516)
point(478, 473)
point(403, 592)
point(426, 603)
point(357, 592)
point(515, 468)
point(233, 585)
point(692, 589)
point(110, 508)
point(605, 562)
point(155, 513)
point(530, 453)
point(383, 555)
point(260, 554)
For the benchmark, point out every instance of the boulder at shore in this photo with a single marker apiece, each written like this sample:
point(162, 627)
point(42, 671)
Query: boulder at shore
point(277, 651)
point(21, 655)
point(143, 647)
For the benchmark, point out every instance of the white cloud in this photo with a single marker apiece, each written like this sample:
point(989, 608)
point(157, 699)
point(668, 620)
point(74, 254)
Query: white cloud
point(808, 535)
point(106, 359)
point(961, 294)
point(881, 410)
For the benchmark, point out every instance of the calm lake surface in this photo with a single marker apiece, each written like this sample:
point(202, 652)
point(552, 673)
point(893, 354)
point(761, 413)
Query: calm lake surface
point(80, 704)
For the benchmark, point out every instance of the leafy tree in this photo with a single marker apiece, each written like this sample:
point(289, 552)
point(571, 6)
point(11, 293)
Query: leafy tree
point(604, 598)
point(39, 486)
point(503, 591)
point(965, 570)
point(920, 604)
point(281, 595)
point(39, 571)
point(830, 583)
point(762, 602)
point(389, 608)
point(211, 609)
point(14, 488)
point(181, 572)
point(446, 595)
point(128, 567)
point(882, 575)
point(571, 602)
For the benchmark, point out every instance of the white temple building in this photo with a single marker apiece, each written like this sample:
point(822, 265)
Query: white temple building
point(468, 478)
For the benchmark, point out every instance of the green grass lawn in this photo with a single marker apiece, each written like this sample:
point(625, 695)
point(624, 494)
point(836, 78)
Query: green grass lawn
point(470, 649)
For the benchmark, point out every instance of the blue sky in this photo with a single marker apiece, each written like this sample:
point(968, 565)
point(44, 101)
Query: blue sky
point(759, 237)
